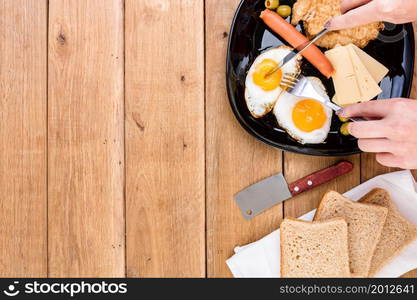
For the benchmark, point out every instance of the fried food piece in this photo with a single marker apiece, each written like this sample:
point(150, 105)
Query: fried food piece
point(315, 14)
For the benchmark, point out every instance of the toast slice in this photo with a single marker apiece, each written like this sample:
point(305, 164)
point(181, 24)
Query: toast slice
point(365, 223)
point(396, 234)
point(318, 249)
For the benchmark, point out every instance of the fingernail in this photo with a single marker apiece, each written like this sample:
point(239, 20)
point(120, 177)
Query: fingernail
point(328, 24)
point(340, 112)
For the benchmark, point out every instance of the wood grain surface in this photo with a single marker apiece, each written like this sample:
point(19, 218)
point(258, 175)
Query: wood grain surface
point(234, 159)
point(119, 153)
point(165, 185)
point(86, 136)
point(23, 201)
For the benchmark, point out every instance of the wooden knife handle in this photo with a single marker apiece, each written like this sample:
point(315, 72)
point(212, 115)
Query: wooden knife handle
point(318, 178)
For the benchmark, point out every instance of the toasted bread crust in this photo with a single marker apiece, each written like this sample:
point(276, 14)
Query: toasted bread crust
point(376, 267)
point(377, 232)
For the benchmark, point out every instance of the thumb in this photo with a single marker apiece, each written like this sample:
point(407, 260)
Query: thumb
point(362, 15)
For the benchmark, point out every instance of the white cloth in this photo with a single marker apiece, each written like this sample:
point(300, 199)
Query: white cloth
point(262, 258)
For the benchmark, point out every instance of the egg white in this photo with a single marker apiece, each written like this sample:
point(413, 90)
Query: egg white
point(259, 101)
point(283, 112)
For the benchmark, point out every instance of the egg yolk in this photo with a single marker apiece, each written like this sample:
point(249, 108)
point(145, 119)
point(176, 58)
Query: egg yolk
point(309, 115)
point(270, 82)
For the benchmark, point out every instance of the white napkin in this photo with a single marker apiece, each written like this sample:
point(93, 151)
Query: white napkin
point(262, 258)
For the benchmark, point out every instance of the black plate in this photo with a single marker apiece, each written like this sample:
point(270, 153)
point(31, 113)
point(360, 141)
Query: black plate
point(249, 37)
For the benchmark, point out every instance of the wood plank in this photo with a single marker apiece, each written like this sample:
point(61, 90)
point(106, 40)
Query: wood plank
point(23, 242)
point(165, 138)
point(297, 166)
point(234, 159)
point(371, 168)
point(86, 153)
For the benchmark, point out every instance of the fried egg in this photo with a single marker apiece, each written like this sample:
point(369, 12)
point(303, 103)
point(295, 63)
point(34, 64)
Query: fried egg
point(306, 120)
point(262, 91)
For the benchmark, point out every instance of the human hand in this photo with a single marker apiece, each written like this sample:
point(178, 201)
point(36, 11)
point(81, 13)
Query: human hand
point(361, 12)
point(391, 131)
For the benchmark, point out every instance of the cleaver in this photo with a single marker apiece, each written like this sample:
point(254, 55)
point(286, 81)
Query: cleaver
point(275, 189)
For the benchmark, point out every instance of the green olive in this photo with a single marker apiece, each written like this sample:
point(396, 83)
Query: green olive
point(272, 4)
point(344, 129)
point(284, 11)
point(343, 119)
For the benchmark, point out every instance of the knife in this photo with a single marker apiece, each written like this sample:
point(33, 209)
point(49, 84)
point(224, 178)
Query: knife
point(275, 189)
point(300, 49)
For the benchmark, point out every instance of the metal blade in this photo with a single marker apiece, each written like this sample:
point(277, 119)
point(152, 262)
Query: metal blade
point(263, 195)
point(304, 46)
point(297, 51)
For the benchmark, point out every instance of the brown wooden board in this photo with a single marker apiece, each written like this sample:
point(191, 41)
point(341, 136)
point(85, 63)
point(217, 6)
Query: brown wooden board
point(85, 131)
point(23, 232)
point(120, 154)
point(235, 160)
point(165, 160)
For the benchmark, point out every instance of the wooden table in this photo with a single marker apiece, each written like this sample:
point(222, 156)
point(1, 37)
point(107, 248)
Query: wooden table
point(119, 154)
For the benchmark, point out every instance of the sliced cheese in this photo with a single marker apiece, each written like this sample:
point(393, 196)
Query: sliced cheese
point(377, 70)
point(345, 81)
point(357, 74)
point(369, 89)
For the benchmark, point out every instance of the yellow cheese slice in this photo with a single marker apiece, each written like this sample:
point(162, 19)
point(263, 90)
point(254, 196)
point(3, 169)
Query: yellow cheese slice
point(377, 70)
point(345, 80)
point(369, 89)
point(357, 74)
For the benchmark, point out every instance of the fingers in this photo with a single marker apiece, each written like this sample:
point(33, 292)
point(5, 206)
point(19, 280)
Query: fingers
point(378, 109)
point(388, 153)
point(346, 5)
point(368, 129)
point(390, 160)
point(359, 16)
point(375, 145)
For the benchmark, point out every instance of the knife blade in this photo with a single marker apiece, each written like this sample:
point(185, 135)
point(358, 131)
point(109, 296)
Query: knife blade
point(273, 190)
point(297, 51)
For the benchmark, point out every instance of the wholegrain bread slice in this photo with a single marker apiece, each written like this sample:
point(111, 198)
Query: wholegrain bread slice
point(314, 249)
point(365, 223)
point(396, 234)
